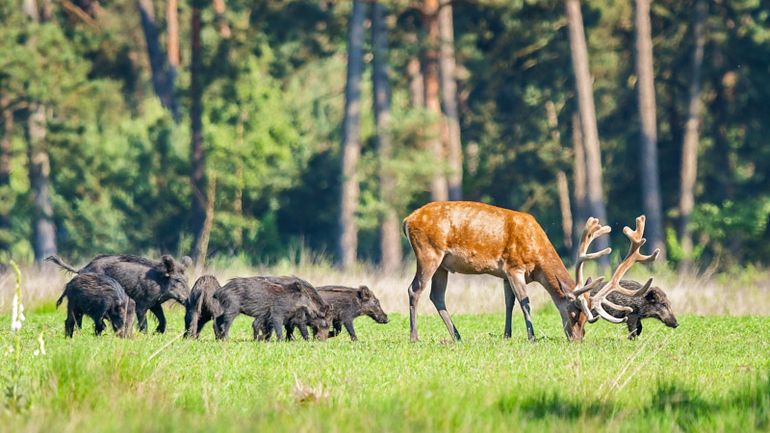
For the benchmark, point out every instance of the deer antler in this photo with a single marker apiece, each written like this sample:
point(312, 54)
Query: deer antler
point(593, 229)
point(598, 301)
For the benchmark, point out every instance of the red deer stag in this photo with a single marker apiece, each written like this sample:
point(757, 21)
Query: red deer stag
point(475, 238)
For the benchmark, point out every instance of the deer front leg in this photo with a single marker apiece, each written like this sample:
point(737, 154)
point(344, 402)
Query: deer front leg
point(519, 283)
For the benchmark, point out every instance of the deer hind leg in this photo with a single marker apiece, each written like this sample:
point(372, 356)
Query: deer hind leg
point(510, 300)
point(437, 296)
point(519, 283)
point(426, 267)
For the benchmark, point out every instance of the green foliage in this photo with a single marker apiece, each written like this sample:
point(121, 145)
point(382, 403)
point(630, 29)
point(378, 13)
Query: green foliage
point(668, 380)
point(273, 100)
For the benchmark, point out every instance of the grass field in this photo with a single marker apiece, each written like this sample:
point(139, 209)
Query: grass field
point(710, 374)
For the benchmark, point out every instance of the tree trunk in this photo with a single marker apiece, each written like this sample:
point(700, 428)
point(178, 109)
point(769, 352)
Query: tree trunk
point(585, 95)
point(390, 230)
point(649, 133)
point(351, 146)
point(202, 246)
point(579, 179)
point(5, 174)
point(416, 79)
point(449, 97)
point(197, 155)
point(689, 166)
point(561, 177)
point(43, 228)
point(222, 26)
point(172, 37)
point(163, 75)
point(439, 189)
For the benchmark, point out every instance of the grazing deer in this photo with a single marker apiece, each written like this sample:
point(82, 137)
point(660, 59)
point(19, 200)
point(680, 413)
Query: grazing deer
point(476, 238)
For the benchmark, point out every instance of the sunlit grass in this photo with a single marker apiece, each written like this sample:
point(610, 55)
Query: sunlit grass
point(710, 374)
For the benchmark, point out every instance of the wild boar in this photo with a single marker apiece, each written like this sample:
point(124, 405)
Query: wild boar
point(200, 306)
point(654, 303)
point(273, 301)
point(100, 297)
point(148, 283)
point(348, 303)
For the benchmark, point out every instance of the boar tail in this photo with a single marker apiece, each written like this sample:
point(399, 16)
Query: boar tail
point(58, 261)
point(61, 298)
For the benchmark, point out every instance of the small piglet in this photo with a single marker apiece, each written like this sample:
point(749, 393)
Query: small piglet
point(273, 302)
point(653, 304)
point(348, 303)
point(200, 306)
point(99, 297)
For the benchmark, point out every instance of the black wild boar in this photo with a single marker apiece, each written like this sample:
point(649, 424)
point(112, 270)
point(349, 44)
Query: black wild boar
point(654, 303)
point(200, 306)
point(273, 301)
point(348, 303)
point(148, 283)
point(100, 297)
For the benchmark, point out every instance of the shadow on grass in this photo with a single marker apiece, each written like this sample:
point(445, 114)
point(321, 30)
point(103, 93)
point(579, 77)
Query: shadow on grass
point(672, 401)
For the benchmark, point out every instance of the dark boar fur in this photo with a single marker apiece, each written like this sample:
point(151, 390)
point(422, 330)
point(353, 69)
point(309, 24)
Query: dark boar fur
point(273, 302)
point(148, 283)
point(348, 303)
point(654, 303)
point(200, 306)
point(100, 297)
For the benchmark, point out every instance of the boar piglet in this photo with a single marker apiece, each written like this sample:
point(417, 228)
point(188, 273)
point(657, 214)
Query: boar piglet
point(273, 302)
point(201, 307)
point(348, 303)
point(147, 282)
point(100, 297)
point(653, 304)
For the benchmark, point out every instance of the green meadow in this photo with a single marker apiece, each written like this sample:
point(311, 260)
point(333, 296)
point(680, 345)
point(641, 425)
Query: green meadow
point(710, 374)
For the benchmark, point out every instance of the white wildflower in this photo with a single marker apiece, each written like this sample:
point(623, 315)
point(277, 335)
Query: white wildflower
point(17, 313)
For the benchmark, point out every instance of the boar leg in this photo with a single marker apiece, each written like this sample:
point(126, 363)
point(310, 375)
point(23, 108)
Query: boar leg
point(98, 323)
point(255, 328)
point(277, 323)
point(510, 300)
point(337, 325)
point(157, 310)
point(224, 322)
point(141, 318)
point(351, 330)
point(437, 296)
point(303, 331)
point(634, 326)
point(69, 324)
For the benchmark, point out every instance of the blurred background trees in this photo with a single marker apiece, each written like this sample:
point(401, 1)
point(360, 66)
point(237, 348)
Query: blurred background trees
point(127, 123)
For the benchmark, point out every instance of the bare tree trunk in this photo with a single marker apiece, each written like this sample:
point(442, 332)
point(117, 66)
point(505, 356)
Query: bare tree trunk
point(172, 30)
point(163, 75)
point(197, 154)
point(579, 178)
point(238, 201)
point(689, 167)
point(449, 97)
point(585, 95)
point(649, 131)
point(202, 246)
point(561, 177)
point(222, 26)
point(439, 189)
point(5, 173)
point(416, 82)
point(43, 228)
point(390, 233)
point(351, 146)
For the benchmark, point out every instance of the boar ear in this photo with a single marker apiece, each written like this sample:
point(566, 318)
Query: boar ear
point(652, 296)
point(187, 261)
point(364, 294)
point(168, 264)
